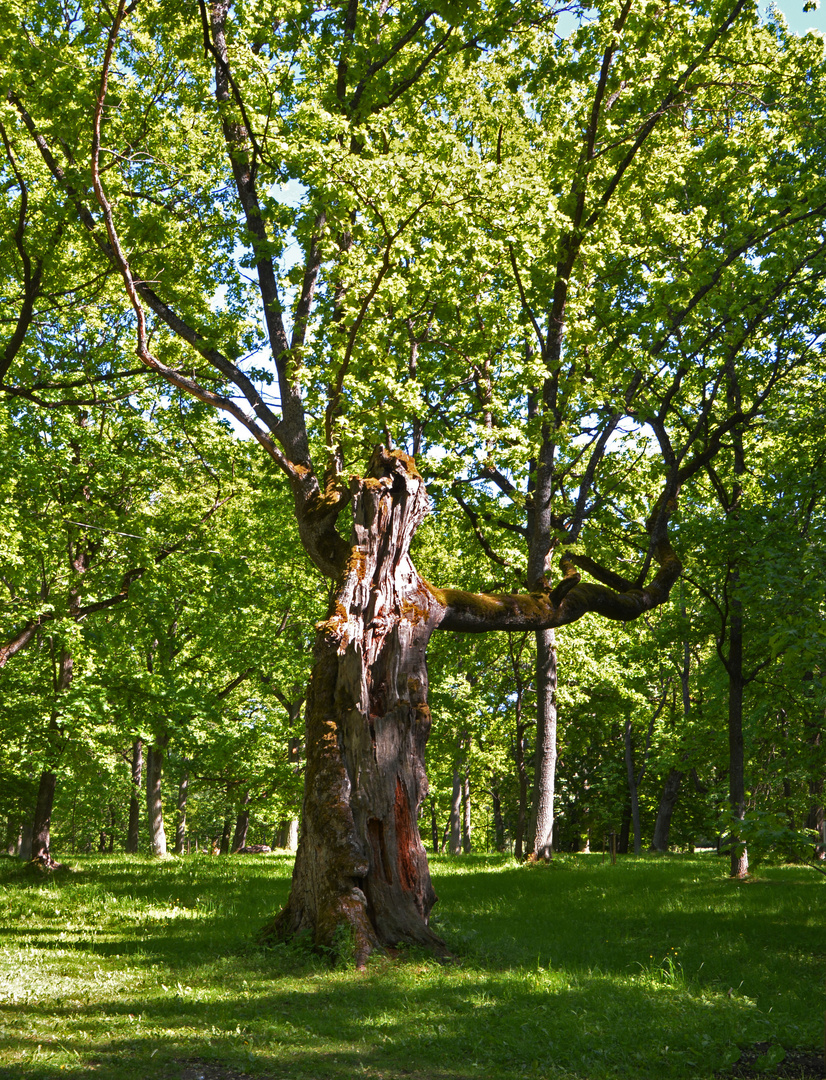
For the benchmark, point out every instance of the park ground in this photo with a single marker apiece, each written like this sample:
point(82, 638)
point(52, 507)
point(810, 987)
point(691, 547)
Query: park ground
point(130, 969)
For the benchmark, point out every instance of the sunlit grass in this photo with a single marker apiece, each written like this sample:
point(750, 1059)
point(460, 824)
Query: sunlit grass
point(129, 968)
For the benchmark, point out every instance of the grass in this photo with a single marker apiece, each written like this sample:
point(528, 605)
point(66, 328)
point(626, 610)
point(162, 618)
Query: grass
point(129, 968)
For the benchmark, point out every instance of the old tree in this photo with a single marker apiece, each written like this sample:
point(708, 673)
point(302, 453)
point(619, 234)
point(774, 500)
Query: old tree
point(557, 257)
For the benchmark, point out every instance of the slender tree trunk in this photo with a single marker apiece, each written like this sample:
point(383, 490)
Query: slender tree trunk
point(154, 802)
point(542, 810)
point(519, 745)
point(816, 819)
point(434, 826)
point(133, 834)
point(498, 823)
point(633, 792)
point(737, 764)
point(26, 837)
point(625, 829)
point(41, 825)
point(668, 800)
point(360, 858)
point(467, 845)
point(226, 833)
point(180, 824)
point(456, 814)
point(242, 824)
point(671, 787)
point(522, 777)
point(14, 837)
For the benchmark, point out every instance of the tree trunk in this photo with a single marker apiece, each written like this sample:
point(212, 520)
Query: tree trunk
point(242, 824)
point(287, 834)
point(154, 803)
point(816, 820)
point(668, 800)
point(456, 814)
point(25, 851)
point(625, 829)
point(133, 835)
point(434, 827)
point(542, 810)
point(633, 792)
point(41, 826)
point(498, 823)
point(522, 777)
point(180, 824)
point(360, 861)
point(223, 847)
point(737, 765)
point(14, 837)
point(467, 845)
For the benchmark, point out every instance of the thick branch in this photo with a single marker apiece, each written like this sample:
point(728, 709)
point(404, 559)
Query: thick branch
point(569, 600)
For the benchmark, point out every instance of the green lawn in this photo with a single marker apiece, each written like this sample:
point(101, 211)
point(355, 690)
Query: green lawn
point(656, 968)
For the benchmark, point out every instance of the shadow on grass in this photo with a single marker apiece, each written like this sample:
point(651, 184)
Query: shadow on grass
point(578, 969)
point(484, 1026)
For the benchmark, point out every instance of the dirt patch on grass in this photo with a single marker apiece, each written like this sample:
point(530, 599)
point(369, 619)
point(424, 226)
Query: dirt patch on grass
point(760, 1060)
point(204, 1070)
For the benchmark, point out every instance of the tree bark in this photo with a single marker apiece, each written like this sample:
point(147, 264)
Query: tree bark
point(633, 792)
point(133, 835)
point(360, 859)
point(498, 823)
point(542, 811)
point(455, 847)
point(737, 765)
point(25, 851)
point(668, 800)
point(287, 834)
point(519, 752)
point(467, 842)
point(180, 824)
point(154, 802)
point(41, 826)
point(625, 829)
point(226, 832)
point(242, 824)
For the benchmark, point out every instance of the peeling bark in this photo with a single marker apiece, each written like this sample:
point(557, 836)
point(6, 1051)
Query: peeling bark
point(360, 859)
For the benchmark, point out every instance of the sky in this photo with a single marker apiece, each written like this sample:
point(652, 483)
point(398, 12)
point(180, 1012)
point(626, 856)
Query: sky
point(799, 20)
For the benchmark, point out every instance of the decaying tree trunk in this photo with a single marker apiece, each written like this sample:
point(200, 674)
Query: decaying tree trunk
point(360, 860)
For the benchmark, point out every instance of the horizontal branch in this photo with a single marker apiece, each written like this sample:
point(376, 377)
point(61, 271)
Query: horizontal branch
point(570, 599)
